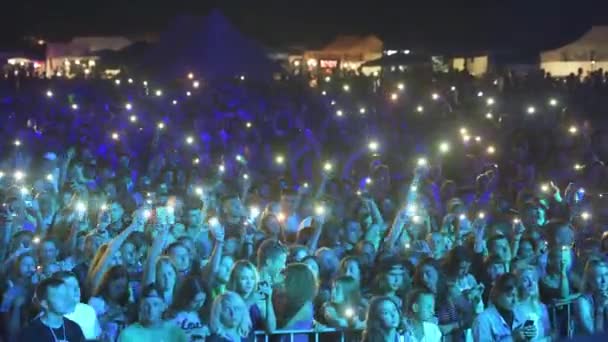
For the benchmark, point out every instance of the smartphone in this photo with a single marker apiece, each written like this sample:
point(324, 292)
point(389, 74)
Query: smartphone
point(529, 323)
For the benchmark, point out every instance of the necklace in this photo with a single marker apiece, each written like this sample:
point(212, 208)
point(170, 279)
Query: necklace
point(55, 336)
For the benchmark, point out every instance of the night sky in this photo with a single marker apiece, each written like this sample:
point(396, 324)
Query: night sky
point(460, 25)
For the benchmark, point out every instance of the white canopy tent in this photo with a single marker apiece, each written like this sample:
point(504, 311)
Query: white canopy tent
point(589, 53)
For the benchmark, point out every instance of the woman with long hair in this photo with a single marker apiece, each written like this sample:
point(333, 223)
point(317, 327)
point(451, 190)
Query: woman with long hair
point(344, 308)
point(188, 306)
point(529, 305)
point(383, 321)
point(112, 302)
point(591, 308)
point(166, 278)
point(229, 319)
point(295, 309)
point(244, 280)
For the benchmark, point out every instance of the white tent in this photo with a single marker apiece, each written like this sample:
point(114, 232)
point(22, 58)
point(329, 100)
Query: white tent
point(589, 53)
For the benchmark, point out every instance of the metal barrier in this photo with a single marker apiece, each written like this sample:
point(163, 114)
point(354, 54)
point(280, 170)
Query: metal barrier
point(292, 333)
point(560, 304)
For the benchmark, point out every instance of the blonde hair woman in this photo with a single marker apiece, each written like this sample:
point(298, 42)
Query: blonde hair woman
point(244, 280)
point(230, 320)
point(529, 306)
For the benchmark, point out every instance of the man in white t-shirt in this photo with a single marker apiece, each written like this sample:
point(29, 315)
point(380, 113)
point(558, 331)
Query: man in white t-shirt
point(83, 314)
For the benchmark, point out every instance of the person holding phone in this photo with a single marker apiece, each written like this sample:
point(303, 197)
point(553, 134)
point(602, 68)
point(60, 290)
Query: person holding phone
point(500, 322)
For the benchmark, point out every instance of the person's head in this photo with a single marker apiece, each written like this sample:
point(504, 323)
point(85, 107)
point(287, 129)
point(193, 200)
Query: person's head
point(312, 263)
point(421, 305)
point(300, 284)
point(230, 313)
point(71, 282)
point(53, 296)
point(437, 243)
point(499, 246)
point(194, 217)
point(527, 249)
point(180, 255)
point(504, 292)
point(272, 257)
point(151, 306)
point(328, 263)
point(243, 278)
point(114, 285)
point(345, 291)
point(494, 267)
point(349, 266)
point(383, 315)
point(191, 295)
point(366, 252)
point(116, 212)
point(128, 253)
point(527, 282)
point(223, 272)
point(391, 277)
point(297, 253)
point(25, 266)
point(427, 275)
point(458, 263)
point(270, 225)
point(352, 232)
point(595, 278)
point(48, 251)
point(232, 207)
point(560, 233)
point(166, 274)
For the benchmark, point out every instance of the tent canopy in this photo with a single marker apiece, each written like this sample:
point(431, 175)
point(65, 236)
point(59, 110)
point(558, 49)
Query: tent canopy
point(592, 45)
point(211, 48)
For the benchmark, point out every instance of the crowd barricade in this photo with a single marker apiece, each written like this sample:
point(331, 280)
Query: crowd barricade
point(561, 312)
point(315, 335)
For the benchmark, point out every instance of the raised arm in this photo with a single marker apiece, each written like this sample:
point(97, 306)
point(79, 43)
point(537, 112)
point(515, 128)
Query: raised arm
point(156, 250)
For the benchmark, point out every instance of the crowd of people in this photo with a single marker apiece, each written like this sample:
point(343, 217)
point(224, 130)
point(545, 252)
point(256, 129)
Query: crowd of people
point(411, 207)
